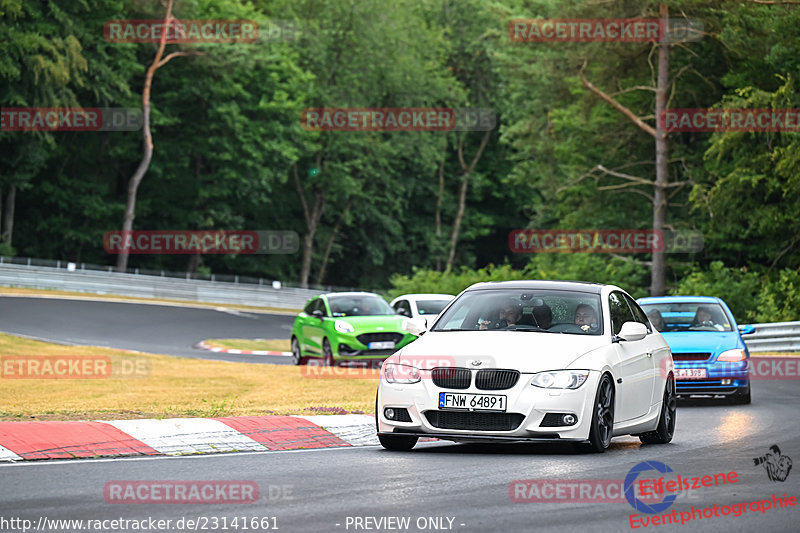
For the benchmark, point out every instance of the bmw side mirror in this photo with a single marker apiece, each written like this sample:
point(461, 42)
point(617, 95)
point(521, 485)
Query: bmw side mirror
point(415, 326)
point(747, 329)
point(317, 313)
point(632, 331)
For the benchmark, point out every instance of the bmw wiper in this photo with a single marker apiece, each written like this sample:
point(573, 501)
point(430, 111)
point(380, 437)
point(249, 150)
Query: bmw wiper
point(534, 328)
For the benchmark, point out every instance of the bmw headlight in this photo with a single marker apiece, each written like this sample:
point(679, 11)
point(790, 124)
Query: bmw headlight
point(560, 379)
point(343, 326)
point(403, 374)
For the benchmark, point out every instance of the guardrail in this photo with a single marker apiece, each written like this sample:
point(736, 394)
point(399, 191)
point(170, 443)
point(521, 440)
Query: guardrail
point(774, 337)
point(73, 277)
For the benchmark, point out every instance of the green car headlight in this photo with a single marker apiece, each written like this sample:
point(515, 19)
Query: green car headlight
point(342, 326)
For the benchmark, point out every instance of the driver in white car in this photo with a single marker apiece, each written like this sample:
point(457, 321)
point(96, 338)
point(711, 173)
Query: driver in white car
point(509, 315)
point(586, 317)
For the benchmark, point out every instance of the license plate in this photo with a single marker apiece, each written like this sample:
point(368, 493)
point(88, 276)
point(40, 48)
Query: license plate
point(472, 402)
point(382, 345)
point(690, 373)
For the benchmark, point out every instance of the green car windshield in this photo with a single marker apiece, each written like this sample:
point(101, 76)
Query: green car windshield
point(366, 305)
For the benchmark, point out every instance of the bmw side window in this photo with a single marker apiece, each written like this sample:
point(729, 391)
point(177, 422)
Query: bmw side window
point(310, 307)
point(620, 312)
point(321, 306)
point(638, 314)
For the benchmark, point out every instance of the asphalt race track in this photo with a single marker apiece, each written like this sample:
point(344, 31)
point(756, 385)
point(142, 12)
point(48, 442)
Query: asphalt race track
point(163, 329)
point(335, 489)
point(317, 489)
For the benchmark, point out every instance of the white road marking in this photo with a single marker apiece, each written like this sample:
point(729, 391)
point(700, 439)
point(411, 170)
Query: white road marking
point(358, 430)
point(175, 436)
point(8, 455)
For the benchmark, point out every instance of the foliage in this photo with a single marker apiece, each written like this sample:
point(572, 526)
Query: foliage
point(753, 297)
point(227, 132)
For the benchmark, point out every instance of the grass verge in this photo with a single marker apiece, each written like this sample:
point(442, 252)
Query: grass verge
point(275, 345)
point(165, 386)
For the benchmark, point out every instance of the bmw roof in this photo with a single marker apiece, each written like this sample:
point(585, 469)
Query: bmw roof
point(559, 285)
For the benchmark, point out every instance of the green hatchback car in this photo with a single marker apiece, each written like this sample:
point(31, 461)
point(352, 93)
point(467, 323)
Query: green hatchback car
point(348, 326)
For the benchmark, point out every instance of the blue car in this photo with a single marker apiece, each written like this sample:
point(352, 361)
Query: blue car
point(707, 347)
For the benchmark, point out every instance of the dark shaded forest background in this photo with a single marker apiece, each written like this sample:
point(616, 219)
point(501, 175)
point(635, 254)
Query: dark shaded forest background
point(230, 152)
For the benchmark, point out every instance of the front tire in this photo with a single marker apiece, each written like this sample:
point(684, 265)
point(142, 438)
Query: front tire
point(327, 354)
point(666, 420)
point(602, 427)
point(397, 443)
point(297, 354)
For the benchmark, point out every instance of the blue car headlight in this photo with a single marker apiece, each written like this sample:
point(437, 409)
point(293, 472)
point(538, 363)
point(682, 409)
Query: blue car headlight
point(732, 356)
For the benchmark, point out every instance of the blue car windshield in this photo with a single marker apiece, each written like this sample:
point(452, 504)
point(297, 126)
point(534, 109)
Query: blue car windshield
point(366, 305)
point(684, 316)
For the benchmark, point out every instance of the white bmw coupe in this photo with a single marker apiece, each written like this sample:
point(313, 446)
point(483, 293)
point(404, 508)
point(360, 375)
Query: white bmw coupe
point(538, 361)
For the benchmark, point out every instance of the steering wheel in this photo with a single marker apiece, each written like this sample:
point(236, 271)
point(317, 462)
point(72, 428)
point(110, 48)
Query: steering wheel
point(567, 328)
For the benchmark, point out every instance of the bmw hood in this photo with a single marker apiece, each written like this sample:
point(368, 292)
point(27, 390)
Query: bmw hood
point(701, 341)
point(526, 351)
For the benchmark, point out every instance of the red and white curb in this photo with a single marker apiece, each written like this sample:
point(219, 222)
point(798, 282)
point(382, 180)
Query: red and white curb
point(21, 441)
point(217, 349)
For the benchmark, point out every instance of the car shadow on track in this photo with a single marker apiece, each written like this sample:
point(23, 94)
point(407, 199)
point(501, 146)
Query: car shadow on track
point(705, 402)
point(561, 448)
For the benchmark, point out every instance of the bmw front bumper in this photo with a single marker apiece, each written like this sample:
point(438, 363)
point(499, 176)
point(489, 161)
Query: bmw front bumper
point(526, 408)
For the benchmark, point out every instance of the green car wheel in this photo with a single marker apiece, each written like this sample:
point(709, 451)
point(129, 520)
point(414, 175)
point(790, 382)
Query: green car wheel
point(297, 355)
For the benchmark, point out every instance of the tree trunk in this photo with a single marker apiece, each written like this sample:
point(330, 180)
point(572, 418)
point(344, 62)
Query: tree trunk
point(462, 204)
point(438, 215)
point(147, 150)
point(658, 271)
point(193, 263)
point(8, 218)
point(329, 245)
point(312, 217)
point(462, 196)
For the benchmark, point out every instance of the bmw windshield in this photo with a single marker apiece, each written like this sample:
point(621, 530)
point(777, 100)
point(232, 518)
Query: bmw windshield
point(551, 311)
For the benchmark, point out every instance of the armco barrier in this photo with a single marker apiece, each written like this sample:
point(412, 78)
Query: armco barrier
point(774, 337)
point(151, 286)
